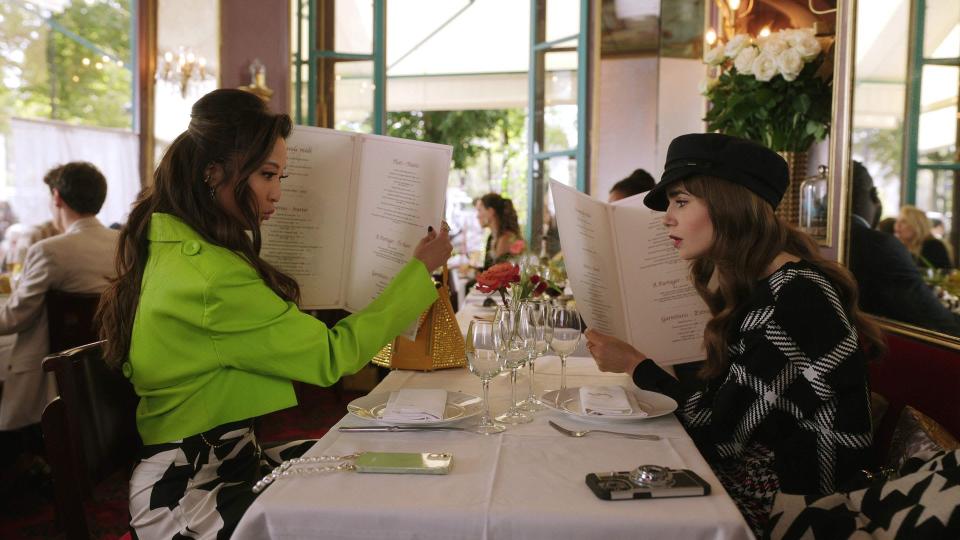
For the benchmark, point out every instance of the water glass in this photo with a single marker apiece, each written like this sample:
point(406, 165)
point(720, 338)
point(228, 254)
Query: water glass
point(485, 362)
point(513, 350)
point(533, 322)
point(565, 325)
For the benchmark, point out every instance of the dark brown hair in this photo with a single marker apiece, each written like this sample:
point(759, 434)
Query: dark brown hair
point(506, 214)
point(638, 182)
point(80, 184)
point(748, 236)
point(232, 129)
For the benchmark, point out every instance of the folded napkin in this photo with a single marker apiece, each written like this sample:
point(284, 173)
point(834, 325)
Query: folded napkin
point(415, 405)
point(606, 401)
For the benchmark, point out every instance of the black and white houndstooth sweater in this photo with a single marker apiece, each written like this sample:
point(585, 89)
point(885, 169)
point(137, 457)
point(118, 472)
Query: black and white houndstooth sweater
point(797, 384)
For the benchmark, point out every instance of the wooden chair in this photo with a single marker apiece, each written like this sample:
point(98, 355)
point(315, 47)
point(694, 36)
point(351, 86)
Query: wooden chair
point(89, 430)
point(70, 319)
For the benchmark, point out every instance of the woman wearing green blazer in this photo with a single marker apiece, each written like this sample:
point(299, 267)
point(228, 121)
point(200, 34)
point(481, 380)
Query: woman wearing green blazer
point(210, 334)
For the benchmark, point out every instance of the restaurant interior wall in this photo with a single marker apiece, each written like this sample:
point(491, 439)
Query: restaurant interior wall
point(626, 124)
point(174, 98)
point(648, 88)
point(251, 30)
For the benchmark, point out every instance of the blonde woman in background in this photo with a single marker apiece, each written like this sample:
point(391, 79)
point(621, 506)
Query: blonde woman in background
point(913, 229)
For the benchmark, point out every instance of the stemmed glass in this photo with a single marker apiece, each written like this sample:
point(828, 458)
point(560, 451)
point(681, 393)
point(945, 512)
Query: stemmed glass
point(565, 323)
point(513, 349)
point(533, 322)
point(485, 362)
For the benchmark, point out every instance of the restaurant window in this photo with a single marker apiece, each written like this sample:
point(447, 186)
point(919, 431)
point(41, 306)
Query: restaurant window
point(557, 123)
point(931, 158)
point(339, 64)
point(438, 74)
point(67, 94)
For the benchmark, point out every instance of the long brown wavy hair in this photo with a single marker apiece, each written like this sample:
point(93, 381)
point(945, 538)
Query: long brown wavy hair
point(232, 129)
point(506, 213)
point(748, 236)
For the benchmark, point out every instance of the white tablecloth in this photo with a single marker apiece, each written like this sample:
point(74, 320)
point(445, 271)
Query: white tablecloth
point(527, 483)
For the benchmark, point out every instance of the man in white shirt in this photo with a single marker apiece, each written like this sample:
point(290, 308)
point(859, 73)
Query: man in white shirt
point(79, 260)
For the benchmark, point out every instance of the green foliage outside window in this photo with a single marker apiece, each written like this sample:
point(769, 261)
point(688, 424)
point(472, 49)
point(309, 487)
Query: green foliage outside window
point(460, 129)
point(67, 65)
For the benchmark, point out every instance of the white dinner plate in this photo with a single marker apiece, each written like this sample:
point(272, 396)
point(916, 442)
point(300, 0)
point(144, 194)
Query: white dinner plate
point(459, 407)
point(651, 403)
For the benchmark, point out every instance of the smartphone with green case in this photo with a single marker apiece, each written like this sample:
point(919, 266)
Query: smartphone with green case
point(404, 462)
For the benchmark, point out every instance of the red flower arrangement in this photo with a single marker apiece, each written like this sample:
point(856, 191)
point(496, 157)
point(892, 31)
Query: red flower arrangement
point(498, 277)
point(506, 276)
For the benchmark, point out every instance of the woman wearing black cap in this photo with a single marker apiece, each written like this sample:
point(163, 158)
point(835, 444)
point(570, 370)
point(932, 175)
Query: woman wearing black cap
point(784, 403)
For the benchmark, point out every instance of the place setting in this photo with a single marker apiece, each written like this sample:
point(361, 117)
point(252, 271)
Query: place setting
point(413, 409)
point(609, 404)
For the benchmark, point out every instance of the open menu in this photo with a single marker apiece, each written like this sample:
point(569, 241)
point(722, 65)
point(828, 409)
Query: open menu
point(627, 278)
point(353, 209)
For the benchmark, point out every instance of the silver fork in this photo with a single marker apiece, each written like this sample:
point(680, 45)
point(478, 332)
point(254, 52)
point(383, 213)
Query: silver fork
point(572, 433)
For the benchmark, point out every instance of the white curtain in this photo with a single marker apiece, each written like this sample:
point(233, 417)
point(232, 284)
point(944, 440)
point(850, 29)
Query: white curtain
point(39, 145)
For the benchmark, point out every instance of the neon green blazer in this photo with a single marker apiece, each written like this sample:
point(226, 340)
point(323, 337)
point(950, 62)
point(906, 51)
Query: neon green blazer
point(213, 344)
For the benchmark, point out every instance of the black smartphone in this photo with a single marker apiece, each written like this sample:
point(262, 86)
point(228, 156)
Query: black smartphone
point(647, 482)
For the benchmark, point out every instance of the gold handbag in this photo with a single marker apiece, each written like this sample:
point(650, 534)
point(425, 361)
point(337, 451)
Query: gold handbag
point(439, 343)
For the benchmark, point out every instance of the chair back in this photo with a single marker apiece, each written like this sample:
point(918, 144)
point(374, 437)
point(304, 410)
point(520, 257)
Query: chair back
point(70, 319)
point(89, 429)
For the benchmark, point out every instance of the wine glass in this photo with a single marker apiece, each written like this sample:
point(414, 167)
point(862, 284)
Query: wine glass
point(513, 350)
point(533, 322)
point(565, 323)
point(484, 362)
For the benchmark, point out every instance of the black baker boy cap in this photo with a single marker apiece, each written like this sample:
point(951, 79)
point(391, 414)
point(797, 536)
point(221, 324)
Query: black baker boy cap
point(737, 160)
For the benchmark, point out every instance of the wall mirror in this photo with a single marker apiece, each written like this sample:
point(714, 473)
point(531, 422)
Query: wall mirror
point(903, 130)
point(651, 74)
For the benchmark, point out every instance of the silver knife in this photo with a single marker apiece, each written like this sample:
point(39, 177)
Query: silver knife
point(391, 429)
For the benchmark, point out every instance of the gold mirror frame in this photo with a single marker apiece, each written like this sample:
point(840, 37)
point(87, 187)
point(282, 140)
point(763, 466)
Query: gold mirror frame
point(147, 66)
point(840, 155)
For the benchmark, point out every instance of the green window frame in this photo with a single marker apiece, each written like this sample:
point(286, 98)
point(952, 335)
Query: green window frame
point(917, 61)
point(319, 15)
point(536, 79)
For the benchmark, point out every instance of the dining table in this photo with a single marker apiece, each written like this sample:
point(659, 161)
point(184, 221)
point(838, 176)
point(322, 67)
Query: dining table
point(528, 482)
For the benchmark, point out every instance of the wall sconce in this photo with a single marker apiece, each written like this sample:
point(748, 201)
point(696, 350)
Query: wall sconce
point(258, 81)
point(182, 69)
point(729, 11)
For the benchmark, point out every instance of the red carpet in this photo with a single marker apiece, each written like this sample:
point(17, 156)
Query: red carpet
point(26, 508)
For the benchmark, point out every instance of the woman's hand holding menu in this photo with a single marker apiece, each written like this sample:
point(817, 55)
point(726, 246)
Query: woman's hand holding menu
point(434, 249)
point(612, 354)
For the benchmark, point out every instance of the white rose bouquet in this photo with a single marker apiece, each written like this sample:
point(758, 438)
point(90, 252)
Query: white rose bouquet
point(776, 90)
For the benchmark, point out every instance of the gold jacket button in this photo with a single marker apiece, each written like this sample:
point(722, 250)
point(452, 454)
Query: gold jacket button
point(191, 247)
point(126, 369)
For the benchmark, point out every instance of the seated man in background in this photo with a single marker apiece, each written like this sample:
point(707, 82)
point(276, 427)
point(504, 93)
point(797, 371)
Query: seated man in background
point(79, 260)
point(638, 182)
point(889, 281)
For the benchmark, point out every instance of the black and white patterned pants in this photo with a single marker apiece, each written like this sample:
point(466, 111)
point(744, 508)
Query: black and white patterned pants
point(200, 486)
